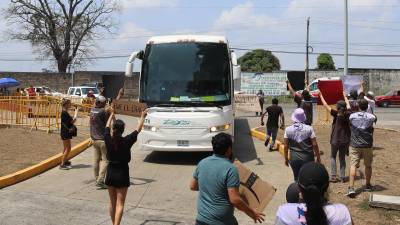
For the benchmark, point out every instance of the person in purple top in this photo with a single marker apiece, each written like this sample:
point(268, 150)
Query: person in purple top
point(300, 139)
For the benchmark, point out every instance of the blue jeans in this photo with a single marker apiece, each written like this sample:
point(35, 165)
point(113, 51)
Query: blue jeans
point(343, 151)
point(271, 132)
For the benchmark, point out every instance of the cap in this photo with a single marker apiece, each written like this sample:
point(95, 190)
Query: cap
point(101, 99)
point(313, 173)
point(298, 116)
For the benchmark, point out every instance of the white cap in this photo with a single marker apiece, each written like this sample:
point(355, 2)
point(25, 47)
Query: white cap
point(370, 93)
point(101, 99)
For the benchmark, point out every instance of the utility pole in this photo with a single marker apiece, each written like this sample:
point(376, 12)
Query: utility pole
point(307, 81)
point(346, 38)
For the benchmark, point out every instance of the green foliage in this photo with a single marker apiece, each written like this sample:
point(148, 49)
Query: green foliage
point(325, 62)
point(259, 61)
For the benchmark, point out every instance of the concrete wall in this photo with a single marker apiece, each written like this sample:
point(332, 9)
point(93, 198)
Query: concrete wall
point(62, 81)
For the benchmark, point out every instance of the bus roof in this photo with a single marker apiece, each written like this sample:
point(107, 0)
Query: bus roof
point(187, 38)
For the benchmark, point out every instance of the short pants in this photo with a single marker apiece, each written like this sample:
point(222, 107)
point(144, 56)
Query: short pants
point(356, 154)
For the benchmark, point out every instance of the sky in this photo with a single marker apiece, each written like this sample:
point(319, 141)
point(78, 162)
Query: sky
point(276, 25)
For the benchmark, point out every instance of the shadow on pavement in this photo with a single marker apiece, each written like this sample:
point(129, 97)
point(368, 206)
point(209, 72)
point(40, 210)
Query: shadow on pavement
point(159, 222)
point(176, 158)
point(80, 166)
point(141, 181)
point(243, 147)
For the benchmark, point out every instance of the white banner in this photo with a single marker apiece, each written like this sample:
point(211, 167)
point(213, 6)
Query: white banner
point(248, 103)
point(272, 84)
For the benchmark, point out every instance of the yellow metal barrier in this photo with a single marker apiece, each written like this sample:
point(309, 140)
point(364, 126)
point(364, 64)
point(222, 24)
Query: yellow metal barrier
point(40, 112)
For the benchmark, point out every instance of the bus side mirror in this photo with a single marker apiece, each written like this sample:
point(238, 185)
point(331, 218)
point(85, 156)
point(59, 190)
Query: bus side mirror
point(131, 61)
point(236, 72)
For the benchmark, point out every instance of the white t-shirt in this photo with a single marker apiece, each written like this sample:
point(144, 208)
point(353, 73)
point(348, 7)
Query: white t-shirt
point(294, 214)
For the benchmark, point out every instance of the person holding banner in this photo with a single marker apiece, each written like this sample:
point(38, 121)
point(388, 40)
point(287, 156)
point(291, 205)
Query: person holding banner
point(274, 112)
point(303, 101)
point(340, 135)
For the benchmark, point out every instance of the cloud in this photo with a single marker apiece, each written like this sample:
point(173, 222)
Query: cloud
point(130, 31)
point(127, 4)
point(241, 16)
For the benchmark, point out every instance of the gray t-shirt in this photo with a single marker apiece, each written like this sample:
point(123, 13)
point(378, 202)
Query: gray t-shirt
point(300, 144)
point(362, 130)
point(98, 120)
point(215, 174)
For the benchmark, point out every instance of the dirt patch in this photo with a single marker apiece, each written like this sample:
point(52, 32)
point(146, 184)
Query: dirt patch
point(21, 148)
point(385, 177)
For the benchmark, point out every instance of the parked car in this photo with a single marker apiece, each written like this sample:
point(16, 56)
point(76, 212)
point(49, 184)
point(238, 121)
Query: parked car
point(82, 91)
point(391, 98)
point(313, 87)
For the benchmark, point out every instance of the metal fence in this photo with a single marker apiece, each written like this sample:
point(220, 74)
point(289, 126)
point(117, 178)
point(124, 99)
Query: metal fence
point(40, 112)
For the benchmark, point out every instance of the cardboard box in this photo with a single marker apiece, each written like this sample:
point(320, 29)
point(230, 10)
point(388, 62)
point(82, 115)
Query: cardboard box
point(256, 192)
point(130, 108)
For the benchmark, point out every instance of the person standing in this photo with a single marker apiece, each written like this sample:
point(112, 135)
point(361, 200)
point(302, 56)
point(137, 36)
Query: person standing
point(371, 102)
point(300, 139)
point(119, 156)
point(98, 120)
point(274, 112)
point(314, 209)
point(303, 101)
point(361, 142)
point(217, 181)
point(68, 130)
point(261, 100)
point(340, 135)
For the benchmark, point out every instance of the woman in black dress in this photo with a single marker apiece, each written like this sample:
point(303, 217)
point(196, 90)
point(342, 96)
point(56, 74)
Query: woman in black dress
point(119, 156)
point(66, 124)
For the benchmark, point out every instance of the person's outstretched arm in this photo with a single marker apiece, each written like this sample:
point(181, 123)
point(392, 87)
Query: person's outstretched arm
point(346, 100)
point(292, 92)
point(120, 94)
point(110, 118)
point(141, 121)
point(327, 107)
point(241, 205)
point(262, 118)
point(282, 121)
point(75, 115)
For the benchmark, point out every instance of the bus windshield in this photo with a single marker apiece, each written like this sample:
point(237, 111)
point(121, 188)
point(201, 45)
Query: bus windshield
point(184, 73)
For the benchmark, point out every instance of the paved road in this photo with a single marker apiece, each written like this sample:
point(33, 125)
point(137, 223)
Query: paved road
point(159, 193)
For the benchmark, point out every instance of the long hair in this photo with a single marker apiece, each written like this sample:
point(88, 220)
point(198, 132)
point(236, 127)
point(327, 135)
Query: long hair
point(313, 183)
point(315, 201)
point(118, 130)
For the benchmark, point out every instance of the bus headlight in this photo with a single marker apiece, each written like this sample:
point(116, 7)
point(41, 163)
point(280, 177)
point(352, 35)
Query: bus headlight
point(150, 128)
point(220, 128)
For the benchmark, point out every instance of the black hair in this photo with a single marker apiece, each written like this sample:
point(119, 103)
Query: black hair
point(118, 130)
point(221, 143)
point(275, 101)
point(341, 105)
point(292, 193)
point(361, 95)
point(306, 95)
point(363, 104)
point(313, 184)
point(354, 94)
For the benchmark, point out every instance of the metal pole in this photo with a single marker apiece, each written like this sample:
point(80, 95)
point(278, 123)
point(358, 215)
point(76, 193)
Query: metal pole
point(307, 52)
point(346, 38)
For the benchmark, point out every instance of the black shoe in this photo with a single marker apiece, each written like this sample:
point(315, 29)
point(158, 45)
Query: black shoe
point(63, 167)
point(266, 143)
point(67, 163)
point(101, 185)
point(368, 188)
point(351, 192)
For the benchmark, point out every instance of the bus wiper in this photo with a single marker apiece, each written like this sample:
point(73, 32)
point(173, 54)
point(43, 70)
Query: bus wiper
point(205, 103)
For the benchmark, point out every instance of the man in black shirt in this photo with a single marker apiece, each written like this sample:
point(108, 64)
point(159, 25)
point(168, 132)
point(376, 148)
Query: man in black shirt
point(274, 112)
point(303, 101)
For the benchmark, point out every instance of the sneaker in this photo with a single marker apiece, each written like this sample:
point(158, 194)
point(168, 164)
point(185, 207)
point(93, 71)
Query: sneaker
point(63, 167)
point(351, 193)
point(69, 166)
point(101, 185)
point(68, 163)
point(266, 143)
point(368, 188)
point(333, 179)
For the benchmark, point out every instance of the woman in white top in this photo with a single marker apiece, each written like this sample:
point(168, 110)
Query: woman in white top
point(313, 185)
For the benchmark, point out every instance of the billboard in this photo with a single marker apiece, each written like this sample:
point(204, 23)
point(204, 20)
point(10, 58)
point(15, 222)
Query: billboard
point(272, 84)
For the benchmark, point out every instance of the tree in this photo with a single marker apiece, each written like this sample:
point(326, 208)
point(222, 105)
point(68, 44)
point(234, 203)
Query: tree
point(259, 60)
point(325, 62)
point(61, 29)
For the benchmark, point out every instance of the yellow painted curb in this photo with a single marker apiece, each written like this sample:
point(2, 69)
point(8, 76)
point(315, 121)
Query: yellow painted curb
point(262, 136)
point(43, 166)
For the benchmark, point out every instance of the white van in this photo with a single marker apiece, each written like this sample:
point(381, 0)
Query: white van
point(82, 91)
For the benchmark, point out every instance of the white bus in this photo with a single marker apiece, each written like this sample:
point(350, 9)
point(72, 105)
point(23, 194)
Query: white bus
point(187, 83)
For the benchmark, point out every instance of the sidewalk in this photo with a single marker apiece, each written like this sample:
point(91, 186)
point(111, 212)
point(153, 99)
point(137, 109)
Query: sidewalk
point(159, 193)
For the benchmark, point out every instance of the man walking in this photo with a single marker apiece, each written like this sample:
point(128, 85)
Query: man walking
point(274, 112)
point(217, 181)
point(303, 101)
point(300, 139)
point(260, 96)
point(98, 120)
point(361, 142)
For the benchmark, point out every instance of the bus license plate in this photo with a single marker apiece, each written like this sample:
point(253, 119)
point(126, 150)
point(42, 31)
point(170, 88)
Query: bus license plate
point(183, 143)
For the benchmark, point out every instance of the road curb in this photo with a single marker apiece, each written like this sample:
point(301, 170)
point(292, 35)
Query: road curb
point(262, 136)
point(43, 166)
